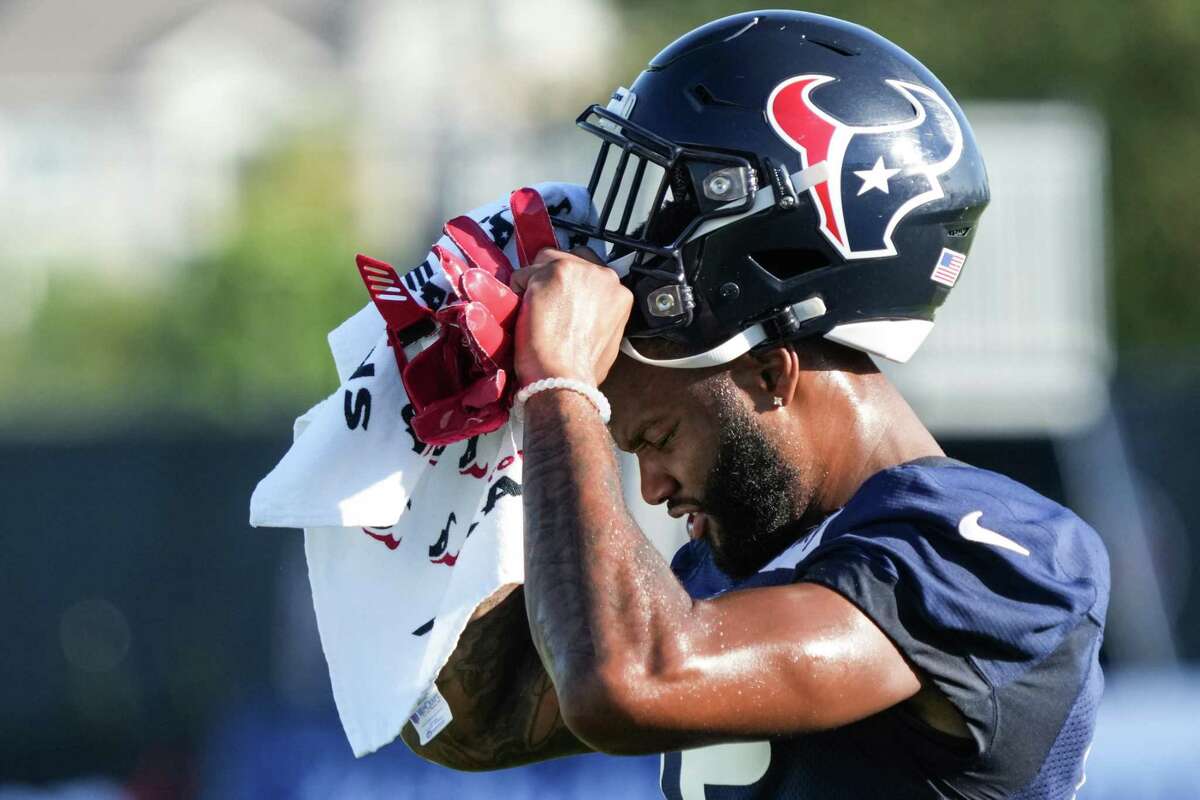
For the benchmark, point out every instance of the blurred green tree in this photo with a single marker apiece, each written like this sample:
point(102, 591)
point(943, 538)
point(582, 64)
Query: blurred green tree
point(245, 330)
point(235, 338)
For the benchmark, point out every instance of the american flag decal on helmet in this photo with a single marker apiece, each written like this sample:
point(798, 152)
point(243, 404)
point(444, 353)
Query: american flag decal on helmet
point(949, 264)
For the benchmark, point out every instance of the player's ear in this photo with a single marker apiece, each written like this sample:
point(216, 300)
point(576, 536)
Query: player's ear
point(770, 376)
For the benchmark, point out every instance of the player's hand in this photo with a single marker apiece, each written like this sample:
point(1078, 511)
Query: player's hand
point(572, 317)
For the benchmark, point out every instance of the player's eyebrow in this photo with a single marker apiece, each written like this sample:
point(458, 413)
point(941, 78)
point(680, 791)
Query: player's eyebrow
point(638, 438)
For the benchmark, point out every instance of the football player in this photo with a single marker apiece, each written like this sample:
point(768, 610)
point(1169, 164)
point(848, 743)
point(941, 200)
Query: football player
point(856, 615)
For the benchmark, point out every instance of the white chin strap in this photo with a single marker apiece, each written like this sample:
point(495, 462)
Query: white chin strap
point(893, 339)
point(723, 353)
point(737, 345)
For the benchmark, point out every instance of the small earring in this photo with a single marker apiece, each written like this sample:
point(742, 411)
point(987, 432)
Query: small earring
point(778, 401)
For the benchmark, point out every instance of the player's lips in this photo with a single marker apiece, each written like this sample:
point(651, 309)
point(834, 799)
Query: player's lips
point(696, 519)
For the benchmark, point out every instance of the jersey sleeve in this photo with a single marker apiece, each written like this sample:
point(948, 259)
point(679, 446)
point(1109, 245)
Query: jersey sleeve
point(974, 591)
point(694, 568)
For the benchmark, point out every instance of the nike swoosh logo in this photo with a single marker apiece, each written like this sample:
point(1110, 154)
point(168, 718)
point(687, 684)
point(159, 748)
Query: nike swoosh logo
point(970, 529)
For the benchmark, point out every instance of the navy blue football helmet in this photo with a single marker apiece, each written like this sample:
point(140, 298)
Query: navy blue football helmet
point(778, 174)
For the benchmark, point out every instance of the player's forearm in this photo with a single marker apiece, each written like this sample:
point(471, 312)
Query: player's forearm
point(503, 703)
point(602, 603)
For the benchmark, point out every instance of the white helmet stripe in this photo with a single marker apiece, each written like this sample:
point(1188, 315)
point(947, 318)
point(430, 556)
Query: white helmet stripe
point(802, 181)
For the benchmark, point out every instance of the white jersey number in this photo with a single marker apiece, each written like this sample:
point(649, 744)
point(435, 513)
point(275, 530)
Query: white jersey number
point(737, 764)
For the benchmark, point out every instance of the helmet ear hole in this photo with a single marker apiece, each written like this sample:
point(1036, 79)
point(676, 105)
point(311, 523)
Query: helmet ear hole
point(791, 263)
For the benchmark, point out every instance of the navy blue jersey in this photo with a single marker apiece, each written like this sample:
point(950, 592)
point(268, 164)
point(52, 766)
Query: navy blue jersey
point(993, 592)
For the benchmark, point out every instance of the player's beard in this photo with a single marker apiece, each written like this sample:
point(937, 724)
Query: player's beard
point(753, 494)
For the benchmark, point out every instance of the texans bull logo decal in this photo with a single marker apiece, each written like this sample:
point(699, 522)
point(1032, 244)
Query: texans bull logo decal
point(899, 162)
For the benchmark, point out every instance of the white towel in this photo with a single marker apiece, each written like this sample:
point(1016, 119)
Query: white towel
point(402, 541)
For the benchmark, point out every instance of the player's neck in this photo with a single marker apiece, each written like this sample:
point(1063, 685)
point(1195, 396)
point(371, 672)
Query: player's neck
point(879, 430)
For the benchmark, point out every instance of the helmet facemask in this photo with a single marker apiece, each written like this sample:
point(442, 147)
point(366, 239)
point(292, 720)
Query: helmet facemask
point(652, 196)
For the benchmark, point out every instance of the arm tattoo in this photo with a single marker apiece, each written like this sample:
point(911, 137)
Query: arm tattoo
point(597, 591)
point(505, 709)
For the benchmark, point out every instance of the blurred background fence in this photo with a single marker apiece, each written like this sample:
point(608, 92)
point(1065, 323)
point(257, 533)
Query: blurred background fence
point(183, 186)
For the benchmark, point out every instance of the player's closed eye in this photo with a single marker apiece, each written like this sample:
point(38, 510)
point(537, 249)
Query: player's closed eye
point(666, 439)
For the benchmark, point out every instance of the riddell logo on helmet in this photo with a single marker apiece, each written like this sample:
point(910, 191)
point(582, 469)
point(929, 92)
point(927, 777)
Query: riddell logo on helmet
point(899, 162)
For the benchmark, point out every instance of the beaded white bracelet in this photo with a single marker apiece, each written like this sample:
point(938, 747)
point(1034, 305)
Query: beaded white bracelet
point(545, 384)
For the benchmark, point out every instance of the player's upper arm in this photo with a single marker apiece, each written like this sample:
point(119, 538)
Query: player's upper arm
point(953, 578)
point(750, 664)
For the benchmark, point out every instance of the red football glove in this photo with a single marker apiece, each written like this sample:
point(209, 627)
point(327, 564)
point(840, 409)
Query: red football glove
point(461, 385)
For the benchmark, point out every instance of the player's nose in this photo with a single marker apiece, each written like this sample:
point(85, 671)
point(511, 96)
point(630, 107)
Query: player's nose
point(656, 482)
